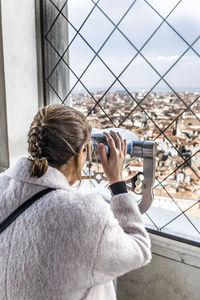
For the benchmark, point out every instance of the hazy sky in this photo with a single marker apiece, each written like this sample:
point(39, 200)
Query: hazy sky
point(162, 51)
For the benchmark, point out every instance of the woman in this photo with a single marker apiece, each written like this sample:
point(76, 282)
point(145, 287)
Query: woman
point(67, 246)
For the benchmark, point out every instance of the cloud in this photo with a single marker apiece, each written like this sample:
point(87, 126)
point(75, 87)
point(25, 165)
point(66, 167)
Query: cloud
point(162, 51)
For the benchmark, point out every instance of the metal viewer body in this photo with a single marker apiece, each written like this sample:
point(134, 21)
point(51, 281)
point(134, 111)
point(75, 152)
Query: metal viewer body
point(135, 149)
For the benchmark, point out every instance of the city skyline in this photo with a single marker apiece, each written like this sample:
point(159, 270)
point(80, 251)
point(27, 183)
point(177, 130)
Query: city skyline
point(180, 126)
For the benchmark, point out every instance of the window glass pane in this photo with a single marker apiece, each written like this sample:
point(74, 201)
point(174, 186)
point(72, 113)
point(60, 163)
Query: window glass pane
point(135, 65)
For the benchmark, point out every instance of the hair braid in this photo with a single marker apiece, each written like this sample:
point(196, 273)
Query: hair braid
point(35, 143)
point(56, 134)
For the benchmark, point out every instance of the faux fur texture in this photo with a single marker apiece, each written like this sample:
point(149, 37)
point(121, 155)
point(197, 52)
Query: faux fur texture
point(66, 246)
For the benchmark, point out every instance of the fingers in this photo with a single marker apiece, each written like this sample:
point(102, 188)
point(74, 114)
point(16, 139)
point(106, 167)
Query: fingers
point(113, 164)
point(122, 143)
point(102, 153)
point(125, 147)
point(111, 142)
point(117, 138)
point(115, 141)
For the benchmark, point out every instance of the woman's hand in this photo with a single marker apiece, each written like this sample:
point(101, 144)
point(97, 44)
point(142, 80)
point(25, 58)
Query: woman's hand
point(113, 165)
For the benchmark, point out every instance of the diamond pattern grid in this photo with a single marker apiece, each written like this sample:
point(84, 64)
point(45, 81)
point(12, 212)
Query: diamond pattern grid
point(165, 9)
point(165, 20)
point(157, 51)
point(118, 104)
point(184, 27)
point(139, 14)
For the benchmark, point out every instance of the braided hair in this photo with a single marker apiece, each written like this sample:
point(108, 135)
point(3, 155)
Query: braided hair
point(56, 134)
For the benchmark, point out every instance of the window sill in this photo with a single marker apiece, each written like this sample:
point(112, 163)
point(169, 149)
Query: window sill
point(175, 250)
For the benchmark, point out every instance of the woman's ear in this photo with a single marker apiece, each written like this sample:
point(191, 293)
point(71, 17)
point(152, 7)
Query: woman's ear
point(83, 154)
point(83, 149)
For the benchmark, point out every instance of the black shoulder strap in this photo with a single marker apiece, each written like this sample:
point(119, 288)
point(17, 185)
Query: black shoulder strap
point(22, 208)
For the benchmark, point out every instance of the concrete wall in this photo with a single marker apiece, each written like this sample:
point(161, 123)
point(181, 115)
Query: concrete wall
point(20, 65)
point(173, 274)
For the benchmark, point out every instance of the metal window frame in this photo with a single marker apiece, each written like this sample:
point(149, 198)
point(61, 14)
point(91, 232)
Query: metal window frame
point(4, 150)
point(45, 60)
point(48, 85)
point(40, 53)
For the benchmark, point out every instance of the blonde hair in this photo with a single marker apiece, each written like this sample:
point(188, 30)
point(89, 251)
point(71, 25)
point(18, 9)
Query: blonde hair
point(57, 133)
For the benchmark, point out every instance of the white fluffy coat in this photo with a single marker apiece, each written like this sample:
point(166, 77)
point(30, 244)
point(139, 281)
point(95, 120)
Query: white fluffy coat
point(66, 246)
